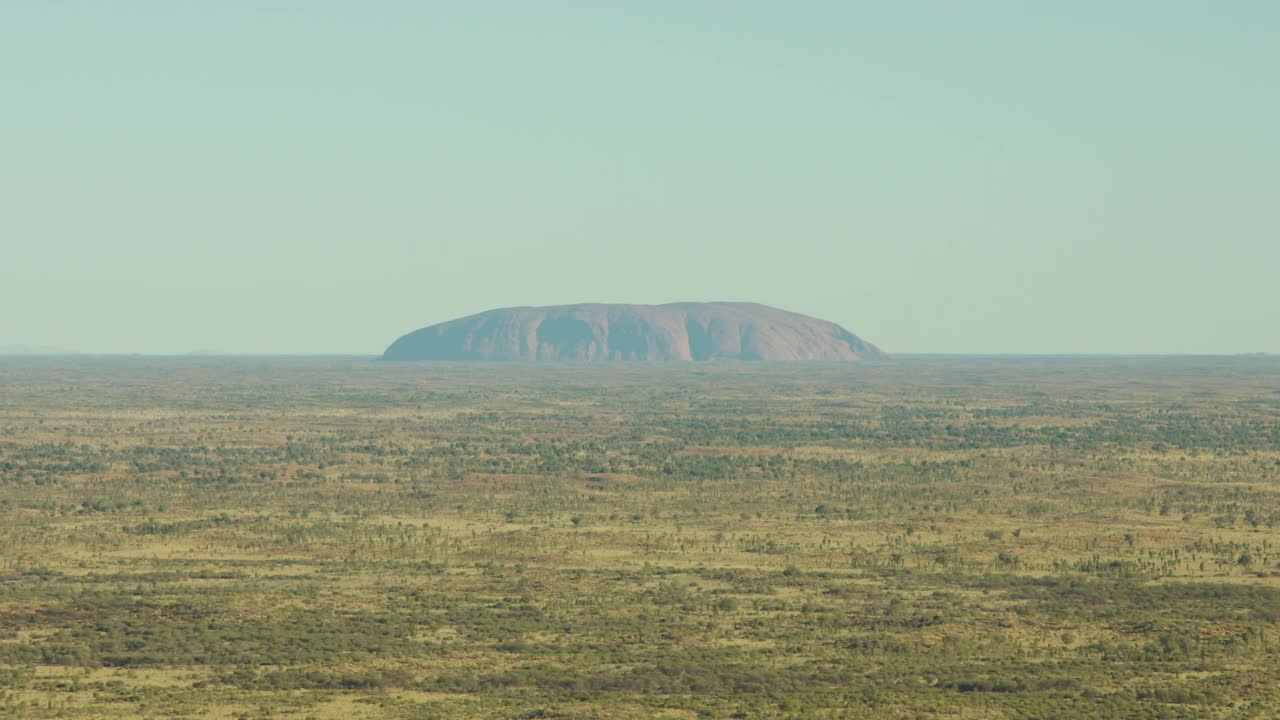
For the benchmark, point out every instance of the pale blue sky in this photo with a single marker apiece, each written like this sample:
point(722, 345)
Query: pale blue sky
point(289, 176)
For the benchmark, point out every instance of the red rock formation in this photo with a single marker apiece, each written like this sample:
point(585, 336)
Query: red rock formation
point(594, 332)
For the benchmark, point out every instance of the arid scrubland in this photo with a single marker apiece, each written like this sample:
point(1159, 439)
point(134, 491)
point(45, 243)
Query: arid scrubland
point(920, 538)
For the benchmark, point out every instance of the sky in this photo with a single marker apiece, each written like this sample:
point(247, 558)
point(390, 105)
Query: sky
point(322, 176)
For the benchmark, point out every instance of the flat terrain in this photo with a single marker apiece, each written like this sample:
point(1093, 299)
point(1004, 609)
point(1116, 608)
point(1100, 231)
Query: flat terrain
point(921, 538)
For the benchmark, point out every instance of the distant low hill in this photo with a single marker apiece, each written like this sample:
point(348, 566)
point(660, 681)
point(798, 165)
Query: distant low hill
point(600, 332)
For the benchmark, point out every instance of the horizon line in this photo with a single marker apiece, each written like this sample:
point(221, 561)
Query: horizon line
point(377, 356)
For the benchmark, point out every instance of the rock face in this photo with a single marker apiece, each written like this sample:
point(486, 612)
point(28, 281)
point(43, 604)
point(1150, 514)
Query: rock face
point(593, 332)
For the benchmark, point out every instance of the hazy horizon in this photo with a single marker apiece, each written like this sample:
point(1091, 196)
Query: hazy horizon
point(321, 178)
point(20, 352)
